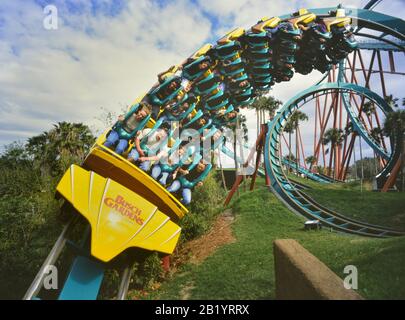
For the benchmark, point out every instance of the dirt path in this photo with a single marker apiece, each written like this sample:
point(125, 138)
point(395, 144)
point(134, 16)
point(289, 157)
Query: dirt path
point(197, 250)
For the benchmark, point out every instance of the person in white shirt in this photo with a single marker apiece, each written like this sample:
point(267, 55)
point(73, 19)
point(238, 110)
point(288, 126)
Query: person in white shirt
point(145, 142)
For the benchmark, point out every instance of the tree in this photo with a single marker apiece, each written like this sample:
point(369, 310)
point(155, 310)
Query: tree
point(310, 160)
point(53, 151)
point(392, 102)
point(349, 129)
point(394, 127)
point(368, 108)
point(272, 105)
point(14, 155)
point(376, 133)
point(363, 168)
point(291, 127)
point(335, 137)
point(265, 104)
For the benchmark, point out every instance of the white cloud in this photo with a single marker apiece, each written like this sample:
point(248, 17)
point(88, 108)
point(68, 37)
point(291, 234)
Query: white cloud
point(98, 60)
point(89, 62)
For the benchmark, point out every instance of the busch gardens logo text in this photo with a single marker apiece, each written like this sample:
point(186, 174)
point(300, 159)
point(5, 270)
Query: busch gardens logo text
point(125, 208)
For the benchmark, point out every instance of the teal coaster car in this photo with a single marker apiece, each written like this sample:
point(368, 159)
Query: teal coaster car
point(242, 77)
point(253, 56)
point(286, 59)
point(157, 96)
point(235, 72)
point(119, 127)
point(207, 85)
point(176, 105)
point(217, 101)
point(260, 70)
point(185, 183)
point(286, 30)
point(228, 50)
point(243, 99)
point(161, 144)
point(191, 71)
point(263, 84)
point(252, 38)
point(286, 46)
point(197, 116)
point(169, 116)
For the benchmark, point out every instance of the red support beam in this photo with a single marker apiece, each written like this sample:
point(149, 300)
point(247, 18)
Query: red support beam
point(392, 61)
point(380, 67)
point(235, 187)
point(302, 147)
point(348, 160)
point(393, 176)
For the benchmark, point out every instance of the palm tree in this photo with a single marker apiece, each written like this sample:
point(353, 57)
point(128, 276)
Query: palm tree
point(292, 125)
point(375, 133)
point(335, 137)
point(272, 105)
point(392, 102)
point(368, 108)
point(310, 160)
point(64, 144)
point(262, 105)
point(258, 105)
point(349, 129)
point(289, 128)
point(394, 127)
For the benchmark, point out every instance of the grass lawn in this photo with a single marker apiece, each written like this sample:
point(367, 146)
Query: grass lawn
point(386, 209)
point(245, 269)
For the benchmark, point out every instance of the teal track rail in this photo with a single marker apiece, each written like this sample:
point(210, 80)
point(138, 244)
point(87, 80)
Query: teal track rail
point(313, 176)
point(354, 118)
point(307, 207)
point(261, 172)
point(369, 19)
point(288, 193)
point(84, 280)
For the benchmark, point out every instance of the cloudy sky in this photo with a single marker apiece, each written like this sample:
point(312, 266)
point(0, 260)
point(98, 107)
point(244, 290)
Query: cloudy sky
point(105, 53)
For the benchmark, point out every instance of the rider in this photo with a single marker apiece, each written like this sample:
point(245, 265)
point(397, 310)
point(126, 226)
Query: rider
point(189, 179)
point(129, 125)
point(161, 171)
point(152, 141)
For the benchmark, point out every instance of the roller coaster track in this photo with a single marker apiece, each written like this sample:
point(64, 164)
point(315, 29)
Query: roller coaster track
point(368, 19)
point(313, 176)
point(293, 198)
point(85, 277)
point(354, 118)
point(298, 201)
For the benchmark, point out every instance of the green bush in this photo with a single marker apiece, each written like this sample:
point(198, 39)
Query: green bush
point(205, 205)
point(28, 229)
point(28, 210)
point(147, 271)
point(193, 225)
point(29, 223)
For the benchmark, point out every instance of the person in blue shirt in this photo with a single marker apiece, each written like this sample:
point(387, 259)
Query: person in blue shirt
point(126, 127)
